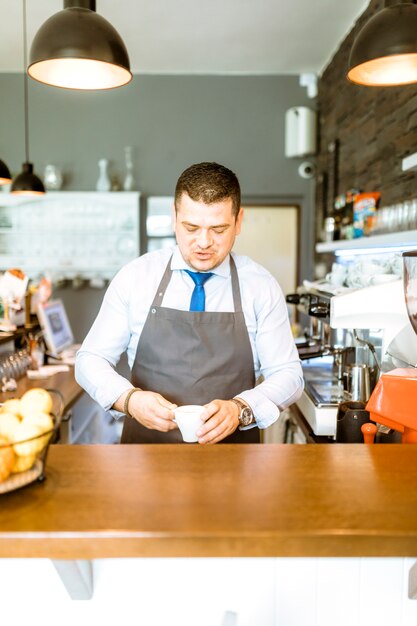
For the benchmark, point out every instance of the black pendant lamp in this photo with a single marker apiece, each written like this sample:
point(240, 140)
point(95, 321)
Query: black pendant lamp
point(5, 177)
point(384, 52)
point(26, 183)
point(78, 49)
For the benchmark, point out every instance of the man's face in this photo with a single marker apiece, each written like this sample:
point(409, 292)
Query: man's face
point(205, 232)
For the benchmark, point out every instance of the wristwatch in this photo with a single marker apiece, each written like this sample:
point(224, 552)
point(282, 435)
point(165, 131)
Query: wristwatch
point(246, 415)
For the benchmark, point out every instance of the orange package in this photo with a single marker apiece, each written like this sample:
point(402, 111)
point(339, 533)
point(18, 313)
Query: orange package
point(364, 209)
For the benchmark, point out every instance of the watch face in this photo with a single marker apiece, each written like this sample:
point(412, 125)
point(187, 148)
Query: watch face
point(246, 417)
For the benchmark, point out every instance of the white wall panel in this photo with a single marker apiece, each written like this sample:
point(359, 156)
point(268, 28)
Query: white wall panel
point(198, 592)
point(296, 592)
point(408, 607)
point(381, 585)
point(188, 592)
point(338, 588)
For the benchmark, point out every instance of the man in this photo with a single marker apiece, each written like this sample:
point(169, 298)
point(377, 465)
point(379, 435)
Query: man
point(200, 326)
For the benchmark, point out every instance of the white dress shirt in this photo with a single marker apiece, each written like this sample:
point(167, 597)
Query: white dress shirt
point(126, 305)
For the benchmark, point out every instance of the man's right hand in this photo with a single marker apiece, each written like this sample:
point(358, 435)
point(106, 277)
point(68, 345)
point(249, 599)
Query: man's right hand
point(151, 410)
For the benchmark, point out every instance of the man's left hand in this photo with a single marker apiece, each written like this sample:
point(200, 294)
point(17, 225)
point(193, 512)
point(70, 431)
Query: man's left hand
point(221, 418)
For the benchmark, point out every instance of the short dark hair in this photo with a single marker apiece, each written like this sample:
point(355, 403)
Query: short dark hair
point(209, 183)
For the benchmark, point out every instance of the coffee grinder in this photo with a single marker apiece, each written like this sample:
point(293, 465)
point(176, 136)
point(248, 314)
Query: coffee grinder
point(393, 402)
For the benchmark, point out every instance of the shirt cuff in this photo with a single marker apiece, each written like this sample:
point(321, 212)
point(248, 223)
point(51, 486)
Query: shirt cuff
point(264, 410)
point(116, 414)
point(107, 401)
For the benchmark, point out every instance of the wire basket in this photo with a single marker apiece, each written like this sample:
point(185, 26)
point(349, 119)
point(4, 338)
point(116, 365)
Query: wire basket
point(23, 461)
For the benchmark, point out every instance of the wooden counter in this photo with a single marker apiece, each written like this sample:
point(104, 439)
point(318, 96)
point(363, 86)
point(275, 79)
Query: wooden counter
point(63, 382)
point(225, 500)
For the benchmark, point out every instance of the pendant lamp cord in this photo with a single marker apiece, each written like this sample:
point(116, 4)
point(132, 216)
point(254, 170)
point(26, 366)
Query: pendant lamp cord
point(83, 4)
point(25, 78)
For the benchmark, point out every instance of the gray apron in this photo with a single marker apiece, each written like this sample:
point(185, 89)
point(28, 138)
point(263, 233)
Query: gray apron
point(192, 357)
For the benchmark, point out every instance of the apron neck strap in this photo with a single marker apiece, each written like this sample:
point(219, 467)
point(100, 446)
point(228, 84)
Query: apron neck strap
point(237, 300)
point(157, 301)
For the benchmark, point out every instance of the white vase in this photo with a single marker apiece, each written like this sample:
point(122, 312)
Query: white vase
point(52, 178)
point(103, 181)
point(129, 181)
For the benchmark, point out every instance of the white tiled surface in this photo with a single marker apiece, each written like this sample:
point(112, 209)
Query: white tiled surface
point(198, 592)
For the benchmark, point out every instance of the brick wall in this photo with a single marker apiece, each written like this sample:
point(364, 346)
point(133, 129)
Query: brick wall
point(375, 128)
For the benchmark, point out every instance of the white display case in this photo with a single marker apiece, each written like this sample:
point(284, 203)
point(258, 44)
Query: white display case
point(159, 231)
point(67, 235)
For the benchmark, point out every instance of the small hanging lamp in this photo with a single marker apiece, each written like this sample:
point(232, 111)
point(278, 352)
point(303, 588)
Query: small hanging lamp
point(26, 183)
point(384, 52)
point(78, 49)
point(5, 177)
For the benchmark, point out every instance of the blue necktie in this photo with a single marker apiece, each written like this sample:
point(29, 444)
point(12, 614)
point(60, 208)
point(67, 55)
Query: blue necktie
point(198, 297)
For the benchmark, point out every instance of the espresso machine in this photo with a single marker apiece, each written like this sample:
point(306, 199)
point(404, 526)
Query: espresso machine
point(350, 339)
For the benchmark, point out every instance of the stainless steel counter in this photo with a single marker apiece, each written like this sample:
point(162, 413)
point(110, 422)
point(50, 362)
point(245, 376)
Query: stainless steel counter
point(322, 395)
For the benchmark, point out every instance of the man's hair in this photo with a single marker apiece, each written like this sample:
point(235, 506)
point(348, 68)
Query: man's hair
point(209, 183)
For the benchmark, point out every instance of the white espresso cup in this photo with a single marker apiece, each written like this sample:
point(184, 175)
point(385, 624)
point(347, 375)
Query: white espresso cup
point(188, 419)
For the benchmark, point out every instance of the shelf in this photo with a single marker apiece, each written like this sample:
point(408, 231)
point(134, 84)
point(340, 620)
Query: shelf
point(100, 230)
point(404, 238)
point(12, 335)
point(107, 197)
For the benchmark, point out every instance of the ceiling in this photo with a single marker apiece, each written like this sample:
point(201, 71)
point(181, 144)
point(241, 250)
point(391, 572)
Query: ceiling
point(204, 36)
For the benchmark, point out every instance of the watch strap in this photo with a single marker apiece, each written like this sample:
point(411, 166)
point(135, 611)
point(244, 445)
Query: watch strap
point(242, 406)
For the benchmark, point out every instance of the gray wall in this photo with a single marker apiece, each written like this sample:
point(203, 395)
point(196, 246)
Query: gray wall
point(171, 122)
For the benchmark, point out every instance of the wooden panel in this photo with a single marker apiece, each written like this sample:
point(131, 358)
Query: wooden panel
point(186, 500)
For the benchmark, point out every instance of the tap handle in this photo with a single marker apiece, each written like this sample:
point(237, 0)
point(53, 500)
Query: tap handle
point(319, 309)
point(293, 298)
point(368, 432)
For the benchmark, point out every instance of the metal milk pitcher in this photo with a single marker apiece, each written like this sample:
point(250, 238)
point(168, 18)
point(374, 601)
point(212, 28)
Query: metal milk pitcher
point(360, 383)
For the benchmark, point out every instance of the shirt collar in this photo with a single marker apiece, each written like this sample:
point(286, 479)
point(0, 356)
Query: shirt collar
point(178, 263)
